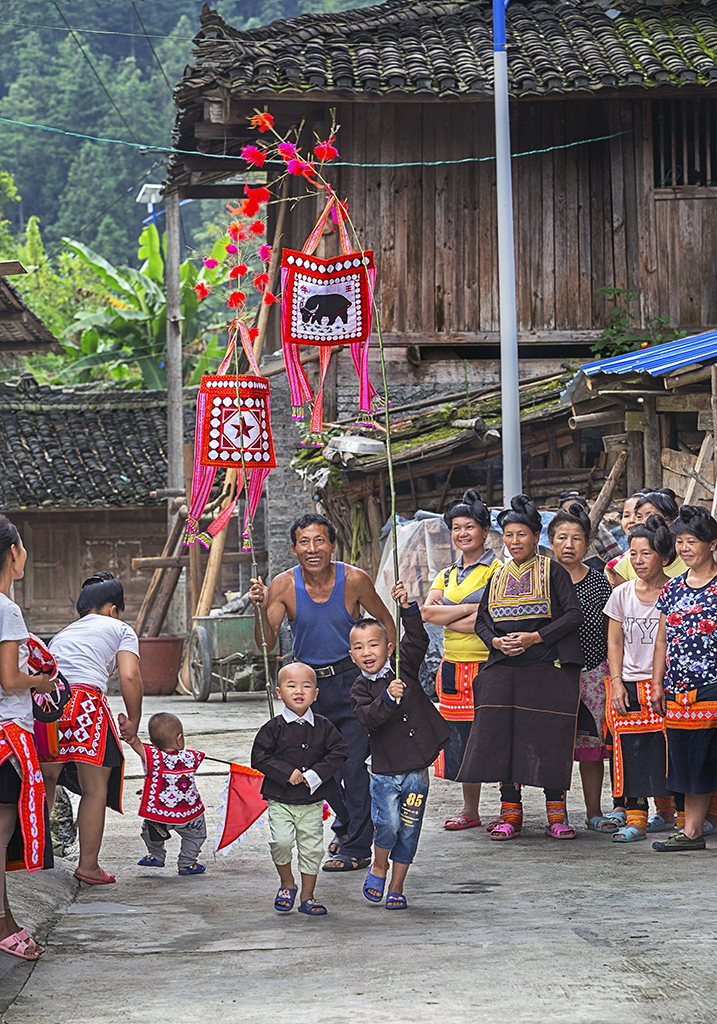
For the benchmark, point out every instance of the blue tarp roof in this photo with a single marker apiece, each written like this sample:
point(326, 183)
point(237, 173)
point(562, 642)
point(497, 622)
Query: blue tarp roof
point(659, 359)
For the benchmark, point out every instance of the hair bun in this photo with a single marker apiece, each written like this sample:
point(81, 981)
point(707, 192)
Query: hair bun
point(578, 510)
point(522, 503)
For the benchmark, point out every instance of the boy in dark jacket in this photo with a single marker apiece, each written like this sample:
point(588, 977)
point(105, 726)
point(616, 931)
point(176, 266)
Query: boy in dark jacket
point(299, 753)
point(406, 734)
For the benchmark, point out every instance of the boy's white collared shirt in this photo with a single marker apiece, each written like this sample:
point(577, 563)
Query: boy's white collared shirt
point(312, 779)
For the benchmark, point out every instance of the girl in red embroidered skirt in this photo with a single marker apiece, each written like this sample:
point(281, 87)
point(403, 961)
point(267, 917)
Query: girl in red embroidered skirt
point(24, 828)
point(452, 602)
point(90, 761)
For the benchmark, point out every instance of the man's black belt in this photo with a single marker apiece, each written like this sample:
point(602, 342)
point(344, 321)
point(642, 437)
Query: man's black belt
point(333, 670)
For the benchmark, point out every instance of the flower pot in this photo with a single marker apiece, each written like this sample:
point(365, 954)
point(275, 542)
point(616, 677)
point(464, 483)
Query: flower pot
point(160, 658)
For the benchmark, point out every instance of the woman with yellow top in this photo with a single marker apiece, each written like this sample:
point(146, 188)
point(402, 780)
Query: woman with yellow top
point(658, 502)
point(452, 602)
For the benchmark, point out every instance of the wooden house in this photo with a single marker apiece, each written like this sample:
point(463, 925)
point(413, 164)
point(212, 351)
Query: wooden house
point(78, 466)
point(21, 331)
point(614, 134)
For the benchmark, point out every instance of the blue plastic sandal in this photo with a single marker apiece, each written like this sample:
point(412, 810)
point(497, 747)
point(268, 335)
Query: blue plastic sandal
point(396, 901)
point(284, 900)
point(628, 834)
point(312, 908)
point(374, 882)
point(150, 862)
point(193, 869)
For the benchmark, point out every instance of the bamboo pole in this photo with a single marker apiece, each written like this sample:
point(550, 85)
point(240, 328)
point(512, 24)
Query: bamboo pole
point(274, 263)
point(154, 585)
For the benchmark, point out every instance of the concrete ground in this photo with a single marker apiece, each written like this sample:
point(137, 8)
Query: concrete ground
point(529, 931)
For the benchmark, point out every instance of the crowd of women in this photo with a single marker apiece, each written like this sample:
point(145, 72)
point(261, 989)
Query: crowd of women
point(546, 661)
point(549, 660)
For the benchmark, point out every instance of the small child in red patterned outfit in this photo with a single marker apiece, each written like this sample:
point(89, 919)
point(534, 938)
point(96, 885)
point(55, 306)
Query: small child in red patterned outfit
point(170, 799)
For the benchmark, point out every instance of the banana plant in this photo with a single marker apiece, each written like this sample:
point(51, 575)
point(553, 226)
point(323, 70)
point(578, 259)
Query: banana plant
point(131, 331)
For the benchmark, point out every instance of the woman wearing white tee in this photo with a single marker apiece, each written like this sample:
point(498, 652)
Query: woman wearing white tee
point(23, 819)
point(90, 759)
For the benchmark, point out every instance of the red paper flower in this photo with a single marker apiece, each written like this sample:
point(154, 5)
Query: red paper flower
point(236, 299)
point(262, 121)
point(295, 166)
point(253, 155)
point(707, 626)
point(261, 194)
point(308, 170)
point(238, 271)
point(257, 228)
point(201, 290)
point(231, 248)
point(269, 298)
point(265, 253)
point(286, 150)
point(261, 281)
point(237, 232)
point(326, 151)
point(211, 264)
point(253, 333)
point(249, 206)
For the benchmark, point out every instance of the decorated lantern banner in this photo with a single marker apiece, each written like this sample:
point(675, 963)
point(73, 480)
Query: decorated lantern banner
point(326, 302)
point(230, 419)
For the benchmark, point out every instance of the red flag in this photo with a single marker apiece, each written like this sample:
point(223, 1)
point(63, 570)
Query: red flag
point(244, 803)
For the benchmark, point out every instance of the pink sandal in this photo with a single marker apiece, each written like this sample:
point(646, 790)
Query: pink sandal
point(21, 945)
point(559, 830)
point(504, 831)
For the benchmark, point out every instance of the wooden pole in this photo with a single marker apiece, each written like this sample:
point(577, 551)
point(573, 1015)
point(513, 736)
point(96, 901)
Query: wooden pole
point(705, 455)
point(651, 442)
point(274, 264)
point(151, 595)
point(175, 425)
point(195, 564)
point(214, 564)
point(605, 496)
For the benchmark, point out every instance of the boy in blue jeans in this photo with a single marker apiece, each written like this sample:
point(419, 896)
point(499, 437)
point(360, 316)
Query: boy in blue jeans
point(406, 734)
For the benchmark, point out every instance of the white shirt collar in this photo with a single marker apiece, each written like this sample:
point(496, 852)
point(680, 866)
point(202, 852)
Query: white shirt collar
point(382, 672)
point(290, 716)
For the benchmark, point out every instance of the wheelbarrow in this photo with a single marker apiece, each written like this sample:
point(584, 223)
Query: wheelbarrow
point(219, 647)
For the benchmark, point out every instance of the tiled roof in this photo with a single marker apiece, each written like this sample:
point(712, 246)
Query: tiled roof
point(83, 447)
point(442, 48)
point(20, 329)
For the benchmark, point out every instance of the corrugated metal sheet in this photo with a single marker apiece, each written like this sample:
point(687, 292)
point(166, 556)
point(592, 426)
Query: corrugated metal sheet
point(660, 359)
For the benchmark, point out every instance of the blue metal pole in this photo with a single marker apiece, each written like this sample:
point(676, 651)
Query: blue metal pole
point(510, 401)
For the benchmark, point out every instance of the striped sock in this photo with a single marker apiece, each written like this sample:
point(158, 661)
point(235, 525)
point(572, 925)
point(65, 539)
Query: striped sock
point(680, 820)
point(556, 811)
point(712, 809)
point(637, 818)
point(512, 814)
point(665, 806)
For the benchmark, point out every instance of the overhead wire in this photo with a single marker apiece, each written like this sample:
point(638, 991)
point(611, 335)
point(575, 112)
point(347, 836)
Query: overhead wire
point(154, 52)
point(95, 72)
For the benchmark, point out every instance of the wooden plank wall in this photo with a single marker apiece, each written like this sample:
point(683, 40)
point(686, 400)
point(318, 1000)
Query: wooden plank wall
point(585, 215)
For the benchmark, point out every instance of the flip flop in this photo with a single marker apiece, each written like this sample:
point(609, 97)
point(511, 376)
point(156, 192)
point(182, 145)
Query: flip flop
point(24, 947)
point(348, 864)
point(376, 883)
point(284, 899)
point(601, 824)
point(396, 901)
point(150, 862)
point(312, 908)
point(460, 821)
point(193, 869)
point(106, 879)
point(628, 834)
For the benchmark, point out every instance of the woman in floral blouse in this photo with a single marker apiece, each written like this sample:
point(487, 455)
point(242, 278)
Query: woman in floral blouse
point(684, 673)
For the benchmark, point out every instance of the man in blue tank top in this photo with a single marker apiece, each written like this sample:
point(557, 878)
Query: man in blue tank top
point(322, 600)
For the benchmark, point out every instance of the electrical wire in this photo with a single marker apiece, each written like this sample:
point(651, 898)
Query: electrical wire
point(154, 52)
point(96, 31)
point(95, 72)
point(337, 163)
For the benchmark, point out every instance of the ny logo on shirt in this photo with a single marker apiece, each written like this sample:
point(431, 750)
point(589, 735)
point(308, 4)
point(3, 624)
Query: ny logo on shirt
point(640, 631)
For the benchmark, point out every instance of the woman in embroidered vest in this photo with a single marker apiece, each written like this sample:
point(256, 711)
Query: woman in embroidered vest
point(638, 739)
point(452, 602)
point(527, 694)
point(90, 761)
point(569, 534)
point(684, 670)
point(24, 826)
